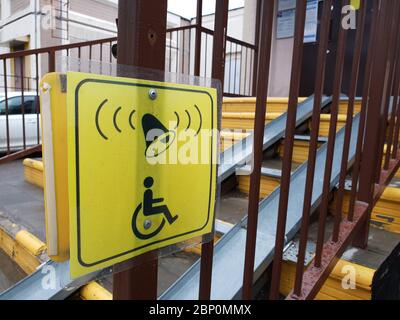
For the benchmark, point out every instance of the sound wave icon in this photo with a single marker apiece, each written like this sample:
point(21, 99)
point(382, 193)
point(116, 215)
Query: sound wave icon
point(114, 120)
point(189, 118)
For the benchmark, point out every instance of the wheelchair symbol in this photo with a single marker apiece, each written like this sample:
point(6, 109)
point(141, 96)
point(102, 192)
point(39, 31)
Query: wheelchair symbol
point(150, 209)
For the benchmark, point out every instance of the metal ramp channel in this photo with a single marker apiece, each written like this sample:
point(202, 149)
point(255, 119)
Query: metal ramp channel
point(50, 281)
point(31, 288)
point(273, 132)
point(229, 254)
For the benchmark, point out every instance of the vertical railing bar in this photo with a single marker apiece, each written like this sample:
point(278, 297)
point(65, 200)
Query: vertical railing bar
point(364, 105)
point(388, 80)
point(6, 105)
point(396, 135)
point(245, 74)
point(177, 52)
point(183, 51)
point(230, 67)
point(110, 52)
point(319, 87)
point(337, 85)
point(52, 62)
point(297, 58)
point(170, 53)
point(23, 101)
point(101, 52)
point(199, 23)
point(234, 72)
point(349, 120)
point(240, 70)
point(205, 56)
point(264, 45)
point(396, 92)
point(190, 50)
point(253, 78)
point(255, 59)
point(37, 99)
point(393, 52)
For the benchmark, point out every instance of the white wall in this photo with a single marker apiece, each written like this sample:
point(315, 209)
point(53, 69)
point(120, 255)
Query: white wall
point(281, 54)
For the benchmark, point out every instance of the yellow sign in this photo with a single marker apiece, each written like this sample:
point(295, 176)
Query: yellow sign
point(355, 4)
point(141, 167)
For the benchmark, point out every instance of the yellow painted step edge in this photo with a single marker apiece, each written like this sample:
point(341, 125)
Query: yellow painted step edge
point(94, 291)
point(36, 164)
point(25, 250)
point(33, 172)
point(18, 252)
point(34, 245)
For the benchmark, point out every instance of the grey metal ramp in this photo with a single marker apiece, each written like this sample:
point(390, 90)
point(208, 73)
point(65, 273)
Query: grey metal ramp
point(273, 132)
point(229, 254)
point(50, 281)
point(31, 286)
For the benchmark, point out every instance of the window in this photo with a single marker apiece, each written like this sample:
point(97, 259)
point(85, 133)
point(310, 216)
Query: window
point(14, 105)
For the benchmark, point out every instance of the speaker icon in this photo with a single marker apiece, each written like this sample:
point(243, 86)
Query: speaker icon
point(158, 138)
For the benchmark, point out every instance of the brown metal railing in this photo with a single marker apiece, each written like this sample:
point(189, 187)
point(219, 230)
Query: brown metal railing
point(381, 87)
point(22, 82)
point(183, 55)
point(379, 125)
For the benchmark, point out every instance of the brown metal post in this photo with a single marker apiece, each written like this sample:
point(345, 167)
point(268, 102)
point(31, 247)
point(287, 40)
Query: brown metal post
point(218, 67)
point(319, 85)
point(219, 43)
point(141, 42)
point(369, 159)
point(264, 45)
point(388, 89)
point(349, 121)
point(257, 43)
point(337, 86)
point(396, 135)
point(396, 92)
point(364, 104)
point(23, 101)
point(197, 50)
point(288, 147)
point(52, 61)
point(6, 105)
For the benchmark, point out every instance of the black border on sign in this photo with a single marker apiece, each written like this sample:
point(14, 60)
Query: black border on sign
point(79, 86)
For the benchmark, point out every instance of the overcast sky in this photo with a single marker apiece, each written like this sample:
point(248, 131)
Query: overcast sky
point(187, 8)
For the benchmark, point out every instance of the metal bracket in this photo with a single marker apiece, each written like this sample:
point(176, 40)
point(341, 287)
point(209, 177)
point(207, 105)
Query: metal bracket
point(292, 250)
point(63, 82)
